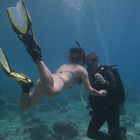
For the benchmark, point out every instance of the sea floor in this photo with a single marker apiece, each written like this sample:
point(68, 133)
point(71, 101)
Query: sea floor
point(38, 123)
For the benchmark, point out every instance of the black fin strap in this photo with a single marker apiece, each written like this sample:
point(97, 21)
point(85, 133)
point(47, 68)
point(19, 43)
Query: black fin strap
point(27, 38)
point(26, 87)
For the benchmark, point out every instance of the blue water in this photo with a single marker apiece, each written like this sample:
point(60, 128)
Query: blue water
point(109, 27)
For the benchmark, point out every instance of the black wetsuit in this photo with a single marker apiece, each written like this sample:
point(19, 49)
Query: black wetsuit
point(105, 109)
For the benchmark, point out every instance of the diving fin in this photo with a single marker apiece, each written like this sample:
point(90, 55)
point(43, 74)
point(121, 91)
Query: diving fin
point(19, 18)
point(21, 22)
point(18, 77)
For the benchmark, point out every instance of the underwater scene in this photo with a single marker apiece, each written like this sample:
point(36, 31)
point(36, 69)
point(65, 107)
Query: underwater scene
point(111, 28)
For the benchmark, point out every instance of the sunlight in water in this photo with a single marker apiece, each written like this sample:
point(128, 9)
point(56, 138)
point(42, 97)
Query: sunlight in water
point(74, 9)
point(99, 31)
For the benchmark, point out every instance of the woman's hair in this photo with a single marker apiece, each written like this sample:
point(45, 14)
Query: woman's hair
point(77, 55)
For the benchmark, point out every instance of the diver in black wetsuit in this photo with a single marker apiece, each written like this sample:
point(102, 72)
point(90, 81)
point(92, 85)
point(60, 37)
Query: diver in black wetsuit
point(103, 109)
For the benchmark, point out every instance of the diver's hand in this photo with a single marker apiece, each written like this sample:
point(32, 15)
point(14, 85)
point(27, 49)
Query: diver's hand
point(103, 93)
point(99, 78)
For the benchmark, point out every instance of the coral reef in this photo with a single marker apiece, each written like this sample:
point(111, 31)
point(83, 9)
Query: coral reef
point(66, 128)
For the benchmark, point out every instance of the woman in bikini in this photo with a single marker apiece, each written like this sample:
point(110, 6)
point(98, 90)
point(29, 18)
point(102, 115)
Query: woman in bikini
point(52, 84)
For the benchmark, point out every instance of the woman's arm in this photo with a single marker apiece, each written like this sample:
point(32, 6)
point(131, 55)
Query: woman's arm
point(88, 86)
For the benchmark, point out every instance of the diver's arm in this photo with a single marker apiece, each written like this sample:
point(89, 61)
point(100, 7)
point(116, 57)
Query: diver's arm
point(88, 86)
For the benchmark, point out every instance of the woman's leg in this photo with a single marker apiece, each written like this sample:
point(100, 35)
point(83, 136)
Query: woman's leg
point(29, 100)
point(24, 101)
point(34, 51)
point(46, 77)
point(47, 85)
point(44, 86)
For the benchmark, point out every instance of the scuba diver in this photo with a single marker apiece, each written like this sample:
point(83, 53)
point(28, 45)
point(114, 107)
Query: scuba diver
point(105, 109)
point(48, 84)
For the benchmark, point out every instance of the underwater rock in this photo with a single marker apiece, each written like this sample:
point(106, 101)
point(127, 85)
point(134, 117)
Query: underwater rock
point(40, 132)
point(66, 128)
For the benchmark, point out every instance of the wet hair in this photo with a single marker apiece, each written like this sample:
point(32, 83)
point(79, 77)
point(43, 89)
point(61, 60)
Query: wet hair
point(92, 56)
point(77, 55)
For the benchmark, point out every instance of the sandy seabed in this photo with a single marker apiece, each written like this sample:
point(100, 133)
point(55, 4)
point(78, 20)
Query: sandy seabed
point(15, 125)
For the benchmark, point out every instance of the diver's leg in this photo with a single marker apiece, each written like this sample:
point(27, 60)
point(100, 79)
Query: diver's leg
point(93, 129)
point(95, 124)
point(113, 123)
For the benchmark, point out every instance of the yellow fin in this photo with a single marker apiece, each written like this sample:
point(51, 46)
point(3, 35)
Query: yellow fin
point(5, 67)
point(3, 62)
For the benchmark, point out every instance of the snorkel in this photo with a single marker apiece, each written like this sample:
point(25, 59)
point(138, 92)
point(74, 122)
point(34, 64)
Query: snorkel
point(84, 61)
point(82, 52)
